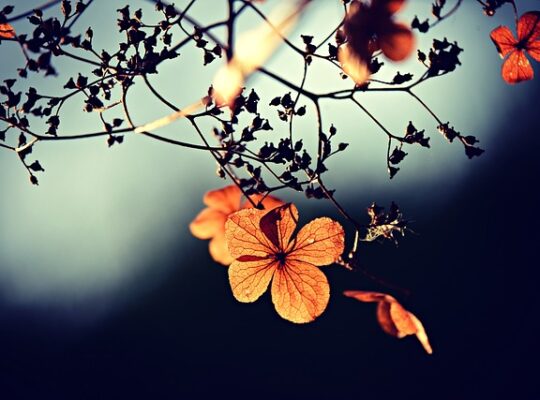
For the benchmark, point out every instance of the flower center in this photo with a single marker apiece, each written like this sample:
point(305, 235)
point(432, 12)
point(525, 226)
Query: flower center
point(521, 45)
point(281, 257)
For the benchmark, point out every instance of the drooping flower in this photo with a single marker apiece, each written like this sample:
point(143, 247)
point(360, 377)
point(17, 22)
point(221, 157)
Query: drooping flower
point(369, 28)
point(264, 249)
point(516, 67)
point(210, 222)
point(393, 318)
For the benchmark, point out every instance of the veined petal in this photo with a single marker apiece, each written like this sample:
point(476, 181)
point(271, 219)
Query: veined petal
point(504, 40)
point(250, 279)
point(321, 242)
point(279, 224)
point(300, 291)
point(534, 50)
point(244, 235)
point(516, 68)
point(528, 26)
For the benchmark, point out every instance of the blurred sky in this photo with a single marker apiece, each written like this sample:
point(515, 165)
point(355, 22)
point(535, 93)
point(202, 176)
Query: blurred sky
point(86, 238)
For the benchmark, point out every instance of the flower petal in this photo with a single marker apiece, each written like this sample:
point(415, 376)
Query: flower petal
point(366, 296)
point(504, 40)
point(388, 6)
point(6, 31)
point(402, 319)
point(393, 6)
point(421, 334)
point(516, 68)
point(397, 41)
point(300, 292)
point(393, 318)
point(226, 199)
point(208, 223)
point(534, 50)
point(269, 202)
point(250, 279)
point(528, 26)
point(321, 242)
point(244, 235)
point(279, 224)
point(385, 319)
point(218, 250)
point(354, 64)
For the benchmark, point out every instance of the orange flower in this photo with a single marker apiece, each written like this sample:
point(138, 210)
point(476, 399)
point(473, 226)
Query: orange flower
point(262, 244)
point(6, 31)
point(393, 318)
point(210, 222)
point(370, 28)
point(517, 68)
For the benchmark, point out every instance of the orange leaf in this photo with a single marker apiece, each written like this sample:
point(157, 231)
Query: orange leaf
point(7, 31)
point(261, 243)
point(393, 318)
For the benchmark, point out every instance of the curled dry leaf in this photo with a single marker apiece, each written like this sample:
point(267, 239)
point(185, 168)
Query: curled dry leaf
point(265, 250)
point(6, 31)
point(393, 318)
point(516, 67)
point(210, 222)
point(370, 28)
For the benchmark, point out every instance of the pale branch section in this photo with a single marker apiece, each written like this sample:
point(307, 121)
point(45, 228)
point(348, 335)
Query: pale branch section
point(258, 169)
